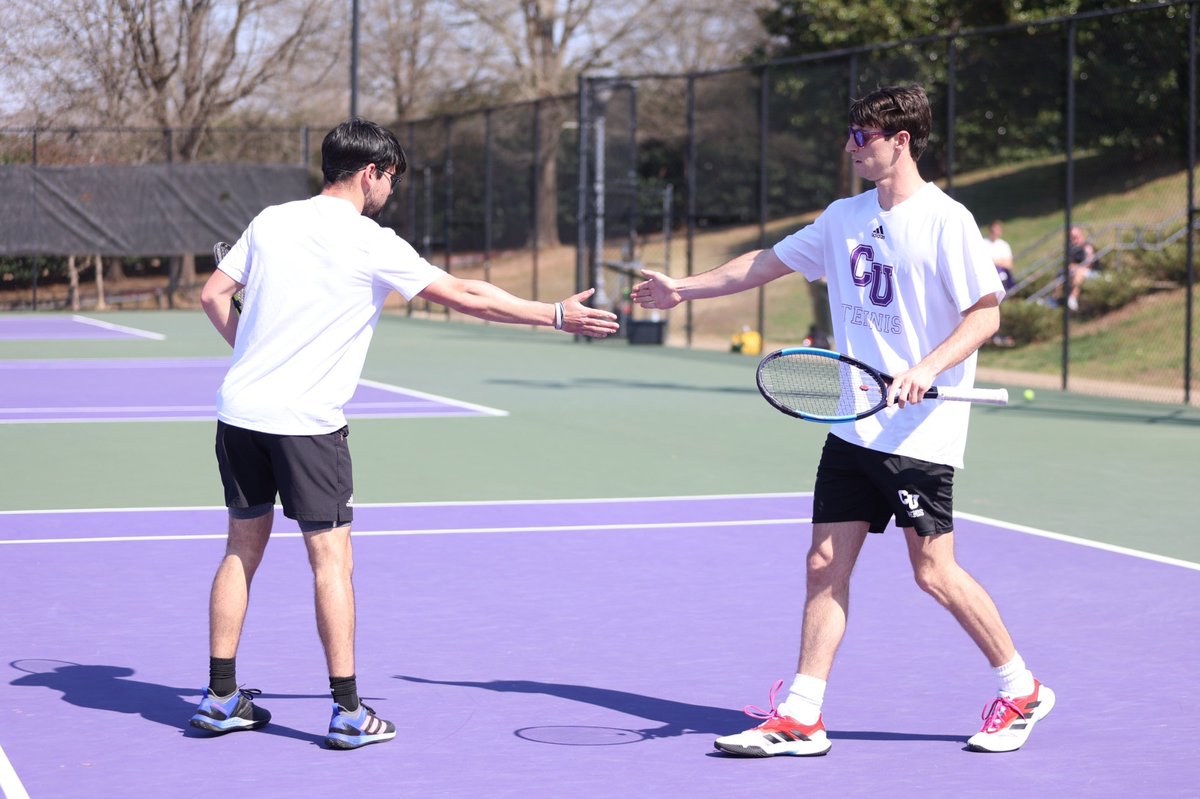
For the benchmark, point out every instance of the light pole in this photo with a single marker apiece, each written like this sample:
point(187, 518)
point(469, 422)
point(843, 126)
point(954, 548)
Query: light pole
point(353, 58)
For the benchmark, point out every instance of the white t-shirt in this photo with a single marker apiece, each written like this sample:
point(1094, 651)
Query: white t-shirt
point(316, 273)
point(899, 282)
point(999, 249)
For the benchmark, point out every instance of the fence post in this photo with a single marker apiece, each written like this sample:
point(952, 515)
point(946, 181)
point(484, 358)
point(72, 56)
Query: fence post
point(1069, 203)
point(1191, 209)
point(487, 195)
point(535, 192)
point(764, 122)
point(581, 188)
point(689, 170)
point(950, 113)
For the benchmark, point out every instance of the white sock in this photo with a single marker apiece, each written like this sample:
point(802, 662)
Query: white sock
point(1013, 678)
point(804, 699)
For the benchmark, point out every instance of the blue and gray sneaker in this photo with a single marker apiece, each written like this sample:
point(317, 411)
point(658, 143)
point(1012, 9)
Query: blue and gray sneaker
point(351, 730)
point(231, 713)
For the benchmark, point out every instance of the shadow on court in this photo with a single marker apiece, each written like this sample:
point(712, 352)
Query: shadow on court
point(108, 688)
point(677, 718)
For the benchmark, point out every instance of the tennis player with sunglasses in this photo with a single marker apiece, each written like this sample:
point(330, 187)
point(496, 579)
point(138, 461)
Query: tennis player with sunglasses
point(912, 291)
point(316, 273)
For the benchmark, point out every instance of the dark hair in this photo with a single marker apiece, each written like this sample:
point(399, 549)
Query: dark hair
point(893, 109)
point(357, 143)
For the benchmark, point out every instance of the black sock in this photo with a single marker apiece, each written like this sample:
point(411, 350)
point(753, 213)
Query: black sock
point(345, 692)
point(222, 676)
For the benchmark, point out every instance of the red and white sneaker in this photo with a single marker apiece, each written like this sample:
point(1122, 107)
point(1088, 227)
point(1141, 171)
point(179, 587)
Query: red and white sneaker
point(1008, 722)
point(777, 735)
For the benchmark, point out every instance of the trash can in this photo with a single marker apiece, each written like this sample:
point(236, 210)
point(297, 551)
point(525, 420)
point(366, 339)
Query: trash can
point(642, 331)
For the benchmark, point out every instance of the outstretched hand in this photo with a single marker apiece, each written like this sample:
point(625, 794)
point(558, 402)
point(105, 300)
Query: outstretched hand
point(582, 320)
point(657, 291)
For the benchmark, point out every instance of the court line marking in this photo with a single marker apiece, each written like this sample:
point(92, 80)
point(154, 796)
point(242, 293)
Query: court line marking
point(379, 408)
point(1019, 528)
point(133, 331)
point(1070, 539)
point(555, 528)
point(10, 783)
point(435, 397)
point(436, 503)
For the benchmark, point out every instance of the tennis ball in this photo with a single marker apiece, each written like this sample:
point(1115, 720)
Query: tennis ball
point(1029, 395)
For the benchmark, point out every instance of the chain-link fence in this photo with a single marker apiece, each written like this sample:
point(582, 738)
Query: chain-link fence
point(1088, 122)
point(1084, 122)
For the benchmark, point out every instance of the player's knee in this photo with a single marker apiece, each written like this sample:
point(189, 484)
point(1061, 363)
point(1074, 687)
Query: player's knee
point(933, 580)
point(823, 571)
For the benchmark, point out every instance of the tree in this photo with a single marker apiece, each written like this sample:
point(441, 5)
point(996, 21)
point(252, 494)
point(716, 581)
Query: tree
point(174, 65)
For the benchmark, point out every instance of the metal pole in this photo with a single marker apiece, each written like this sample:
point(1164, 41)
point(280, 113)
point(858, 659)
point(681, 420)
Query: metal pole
point(1069, 203)
point(487, 195)
point(600, 298)
point(689, 169)
point(631, 173)
point(764, 121)
point(410, 191)
point(950, 111)
point(448, 220)
point(668, 208)
point(581, 189)
point(353, 58)
point(1191, 213)
point(535, 191)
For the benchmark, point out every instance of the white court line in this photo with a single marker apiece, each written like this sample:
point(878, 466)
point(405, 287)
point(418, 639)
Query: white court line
point(564, 528)
point(436, 397)
point(133, 331)
point(1083, 542)
point(10, 783)
point(434, 503)
point(1127, 551)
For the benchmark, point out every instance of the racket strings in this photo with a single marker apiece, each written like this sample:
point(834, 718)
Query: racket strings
point(821, 387)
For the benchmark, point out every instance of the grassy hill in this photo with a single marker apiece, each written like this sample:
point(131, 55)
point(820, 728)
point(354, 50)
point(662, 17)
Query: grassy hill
point(1136, 352)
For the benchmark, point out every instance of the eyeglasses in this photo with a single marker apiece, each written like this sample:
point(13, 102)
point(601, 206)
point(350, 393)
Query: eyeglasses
point(394, 177)
point(861, 137)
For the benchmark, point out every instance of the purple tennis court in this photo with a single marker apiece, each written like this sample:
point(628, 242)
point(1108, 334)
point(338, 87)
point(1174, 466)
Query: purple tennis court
point(579, 648)
point(177, 389)
point(68, 328)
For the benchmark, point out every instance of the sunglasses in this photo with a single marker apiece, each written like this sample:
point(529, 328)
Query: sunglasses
point(861, 137)
point(394, 177)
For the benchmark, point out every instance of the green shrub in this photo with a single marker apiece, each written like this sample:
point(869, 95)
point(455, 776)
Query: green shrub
point(1166, 265)
point(1112, 289)
point(1027, 322)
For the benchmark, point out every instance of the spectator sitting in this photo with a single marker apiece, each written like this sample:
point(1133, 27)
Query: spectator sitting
point(1082, 264)
point(1002, 254)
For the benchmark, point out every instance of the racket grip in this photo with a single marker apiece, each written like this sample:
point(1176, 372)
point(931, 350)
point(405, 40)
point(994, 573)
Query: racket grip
point(982, 396)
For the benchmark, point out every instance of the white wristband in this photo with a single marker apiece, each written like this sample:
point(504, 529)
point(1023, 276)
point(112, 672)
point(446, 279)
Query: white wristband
point(558, 316)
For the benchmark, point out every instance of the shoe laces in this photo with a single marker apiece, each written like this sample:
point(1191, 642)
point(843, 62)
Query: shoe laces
point(756, 712)
point(993, 715)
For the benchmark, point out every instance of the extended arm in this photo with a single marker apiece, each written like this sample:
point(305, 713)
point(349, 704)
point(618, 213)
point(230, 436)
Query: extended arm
point(484, 300)
point(739, 274)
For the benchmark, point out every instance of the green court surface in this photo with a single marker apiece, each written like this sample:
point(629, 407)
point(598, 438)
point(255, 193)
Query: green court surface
point(610, 419)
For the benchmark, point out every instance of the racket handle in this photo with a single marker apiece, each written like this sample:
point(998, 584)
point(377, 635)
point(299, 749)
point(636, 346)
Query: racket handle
point(983, 396)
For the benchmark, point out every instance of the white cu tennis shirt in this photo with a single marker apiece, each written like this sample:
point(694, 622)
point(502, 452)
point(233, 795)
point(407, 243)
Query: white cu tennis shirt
point(899, 282)
point(316, 273)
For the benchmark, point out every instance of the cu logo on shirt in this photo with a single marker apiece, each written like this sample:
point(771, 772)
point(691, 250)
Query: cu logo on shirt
point(867, 272)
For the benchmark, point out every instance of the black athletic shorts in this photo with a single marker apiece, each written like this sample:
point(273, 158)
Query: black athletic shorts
point(312, 475)
point(859, 484)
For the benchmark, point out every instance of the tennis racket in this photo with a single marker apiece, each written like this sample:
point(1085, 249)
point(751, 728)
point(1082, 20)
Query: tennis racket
point(823, 386)
point(220, 250)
